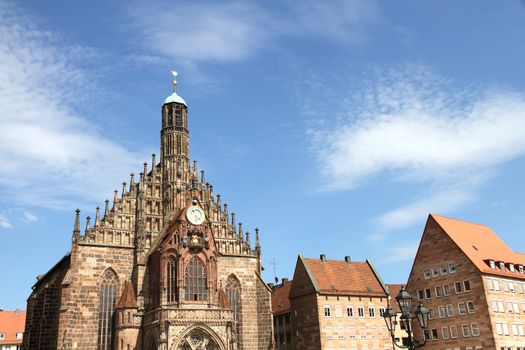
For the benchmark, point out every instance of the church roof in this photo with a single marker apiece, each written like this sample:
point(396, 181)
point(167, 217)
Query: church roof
point(341, 277)
point(127, 300)
point(281, 298)
point(480, 244)
point(175, 98)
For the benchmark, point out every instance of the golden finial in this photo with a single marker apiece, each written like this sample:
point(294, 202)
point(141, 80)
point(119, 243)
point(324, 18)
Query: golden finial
point(174, 82)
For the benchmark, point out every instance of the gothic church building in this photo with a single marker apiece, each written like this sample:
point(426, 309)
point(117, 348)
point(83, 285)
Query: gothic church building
point(163, 267)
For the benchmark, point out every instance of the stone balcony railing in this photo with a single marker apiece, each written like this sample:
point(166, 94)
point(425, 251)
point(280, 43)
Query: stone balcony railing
point(188, 316)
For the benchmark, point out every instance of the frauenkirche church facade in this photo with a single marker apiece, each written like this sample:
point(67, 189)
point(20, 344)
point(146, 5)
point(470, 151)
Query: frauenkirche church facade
point(163, 267)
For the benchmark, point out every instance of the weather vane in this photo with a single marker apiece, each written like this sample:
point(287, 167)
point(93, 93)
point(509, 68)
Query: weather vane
point(174, 80)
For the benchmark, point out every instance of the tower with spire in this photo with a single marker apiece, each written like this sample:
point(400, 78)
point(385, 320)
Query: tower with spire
point(165, 267)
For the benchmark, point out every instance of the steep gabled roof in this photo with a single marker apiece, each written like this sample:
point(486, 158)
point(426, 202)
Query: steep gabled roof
point(127, 300)
point(393, 292)
point(11, 323)
point(340, 277)
point(281, 298)
point(480, 244)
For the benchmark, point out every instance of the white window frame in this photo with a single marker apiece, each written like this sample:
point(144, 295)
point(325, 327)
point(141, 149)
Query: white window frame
point(469, 310)
point(452, 268)
point(327, 311)
point(462, 308)
point(465, 290)
point(456, 284)
point(467, 328)
point(450, 310)
point(474, 326)
point(453, 329)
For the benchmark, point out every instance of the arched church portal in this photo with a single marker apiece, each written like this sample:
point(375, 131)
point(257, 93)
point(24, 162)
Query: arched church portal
point(198, 339)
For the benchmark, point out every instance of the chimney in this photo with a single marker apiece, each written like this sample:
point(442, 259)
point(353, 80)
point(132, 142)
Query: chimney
point(285, 280)
point(323, 258)
point(348, 259)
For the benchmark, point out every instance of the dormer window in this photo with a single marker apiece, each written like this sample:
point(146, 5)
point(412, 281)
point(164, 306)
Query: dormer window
point(520, 268)
point(502, 266)
point(511, 267)
point(492, 264)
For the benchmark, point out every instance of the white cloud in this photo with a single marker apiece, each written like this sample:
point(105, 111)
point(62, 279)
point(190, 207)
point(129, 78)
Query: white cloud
point(227, 31)
point(51, 155)
point(4, 222)
point(418, 128)
point(395, 254)
point(29, 217)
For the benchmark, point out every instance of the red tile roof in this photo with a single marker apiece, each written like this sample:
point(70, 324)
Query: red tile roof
point(11, 323)
point(394, 291)
point(281, 298)
point(480, 244)
point(340, 277)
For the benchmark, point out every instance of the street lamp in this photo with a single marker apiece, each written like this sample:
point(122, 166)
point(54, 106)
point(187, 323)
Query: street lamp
point(404, 300)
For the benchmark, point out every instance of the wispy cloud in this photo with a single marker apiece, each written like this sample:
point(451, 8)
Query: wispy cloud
point(395, 254)
point(192, 32)
point(50, 153)
point(419, 128)
point(4, 222)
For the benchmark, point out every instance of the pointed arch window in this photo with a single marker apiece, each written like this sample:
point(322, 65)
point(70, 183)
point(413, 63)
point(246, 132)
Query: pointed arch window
point(233, 293)
point(196, 281)
point(170, 116)
point(178, 116)
point(171, 278)
point(107, 292)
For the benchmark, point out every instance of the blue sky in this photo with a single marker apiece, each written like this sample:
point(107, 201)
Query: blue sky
point(333, 126)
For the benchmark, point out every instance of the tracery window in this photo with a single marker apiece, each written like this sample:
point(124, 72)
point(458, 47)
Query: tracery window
point(108, 289)
point(171, 278)
point(178, 117)
point(196, 281)
point(170, 117)
point(233, 293)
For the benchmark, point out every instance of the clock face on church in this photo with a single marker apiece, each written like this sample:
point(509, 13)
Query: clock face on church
point(195, 215)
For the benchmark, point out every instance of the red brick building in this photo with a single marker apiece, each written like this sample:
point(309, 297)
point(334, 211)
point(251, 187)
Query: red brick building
point(165, 266)
point(473, 283)
point(12, 325)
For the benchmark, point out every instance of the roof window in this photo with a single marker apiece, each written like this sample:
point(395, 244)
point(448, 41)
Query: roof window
point(511, 267)
point(520, 268)
point(492, 264)
point(502, 266)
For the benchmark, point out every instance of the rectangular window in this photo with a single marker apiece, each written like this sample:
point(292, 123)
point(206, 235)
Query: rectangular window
point(430, 314)
point(475, 329)
point(514, 328)
point(339, 310)
point(445, 333)
point(499, 329)
point(362, 332)
point(511, 286)
point(446, 289)
point(450, 310)
point(434, 334)
point(435, 272)
point(420, 294)
point(466, 285)
point(442, 312)
point(516, 307)
point(509, 307)
point(490, 285)
point(494, 304)
point(453, 332)
point(470, 307)
point(340, 333)
point(520, 287)
point(502, 266)
point(505, 285)
point(495, 281)
point(451, 267)
point(443, 270)
point(439, 291)
point(329, 333)
point(461, 308)
point(327, 311)
point(520, 268)
point(427, 274)
point(371, 312)
point(361, 311)
point(505, 328)
point(466, 330)
point(381, 311)
point(426, 334)
point(350, 311)
point(521, 332)
point(492, 264)
point(501, 308)
point(458, 287)
point(351, 332)
point(428, 295)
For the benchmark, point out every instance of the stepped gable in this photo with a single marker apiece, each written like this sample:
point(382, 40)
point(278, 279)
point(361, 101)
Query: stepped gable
point(480, 244)
point(127, 299)
point(340, 277)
